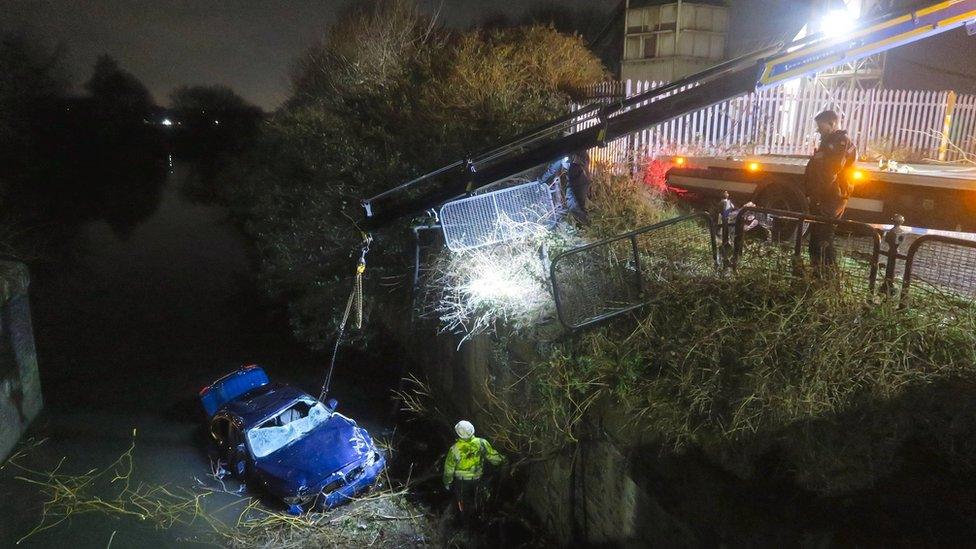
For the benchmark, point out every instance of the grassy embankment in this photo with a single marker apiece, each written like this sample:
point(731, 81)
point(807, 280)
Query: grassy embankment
point(741, 364)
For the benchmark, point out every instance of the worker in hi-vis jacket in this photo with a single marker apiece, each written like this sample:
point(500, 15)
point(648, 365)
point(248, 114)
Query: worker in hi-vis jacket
point(464, 468)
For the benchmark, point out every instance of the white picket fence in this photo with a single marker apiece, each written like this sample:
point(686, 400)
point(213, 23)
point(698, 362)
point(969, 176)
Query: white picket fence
point(905, 124)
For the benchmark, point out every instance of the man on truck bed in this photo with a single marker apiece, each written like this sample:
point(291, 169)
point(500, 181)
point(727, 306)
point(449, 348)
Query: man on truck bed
point(827, 186)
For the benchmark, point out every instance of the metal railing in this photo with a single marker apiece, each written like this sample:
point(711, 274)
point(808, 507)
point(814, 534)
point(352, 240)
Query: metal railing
point(943, 267)
point(857, 246)
point(497, 216)
point(605, 279)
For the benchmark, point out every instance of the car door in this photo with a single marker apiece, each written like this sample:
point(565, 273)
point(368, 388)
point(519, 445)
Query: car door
point(237, 456)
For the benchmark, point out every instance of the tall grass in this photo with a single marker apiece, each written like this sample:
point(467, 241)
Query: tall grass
point(741, 363)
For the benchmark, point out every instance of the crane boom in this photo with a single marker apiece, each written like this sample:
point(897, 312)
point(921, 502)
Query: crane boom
point(757, 70)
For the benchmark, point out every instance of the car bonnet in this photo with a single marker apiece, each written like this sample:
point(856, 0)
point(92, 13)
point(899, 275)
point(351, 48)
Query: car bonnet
point(326, 449)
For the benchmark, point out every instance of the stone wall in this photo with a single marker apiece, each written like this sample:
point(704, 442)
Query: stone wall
point(20, 383)
point(592, 493)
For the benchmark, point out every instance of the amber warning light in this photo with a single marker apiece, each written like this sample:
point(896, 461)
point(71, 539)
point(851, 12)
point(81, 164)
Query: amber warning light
point(679, 161)
point(753, 166)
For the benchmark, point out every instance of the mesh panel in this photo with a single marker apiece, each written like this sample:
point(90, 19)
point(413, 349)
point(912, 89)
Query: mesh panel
point(943, 270)
point(595, 282)
point(496, 216)
point(772, 246)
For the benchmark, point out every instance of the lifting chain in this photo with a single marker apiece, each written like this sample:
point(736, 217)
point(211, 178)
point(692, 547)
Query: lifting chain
point(353, 305)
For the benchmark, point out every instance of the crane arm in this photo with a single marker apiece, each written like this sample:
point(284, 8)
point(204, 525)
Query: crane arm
point(757, 70)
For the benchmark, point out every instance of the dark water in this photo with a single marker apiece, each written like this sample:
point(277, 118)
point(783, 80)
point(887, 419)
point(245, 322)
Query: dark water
point(138, 302)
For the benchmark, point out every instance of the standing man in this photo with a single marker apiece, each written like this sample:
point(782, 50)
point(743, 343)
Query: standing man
point(828, 186)
point(464, 467)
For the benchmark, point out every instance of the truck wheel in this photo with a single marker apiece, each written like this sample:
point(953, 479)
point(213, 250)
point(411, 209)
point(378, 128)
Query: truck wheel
point(783, 196)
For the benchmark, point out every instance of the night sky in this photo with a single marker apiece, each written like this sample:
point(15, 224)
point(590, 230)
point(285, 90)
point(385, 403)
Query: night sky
point(247, 45)
point(250, 45)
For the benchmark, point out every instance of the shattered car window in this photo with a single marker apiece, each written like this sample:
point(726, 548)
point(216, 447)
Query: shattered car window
point(286, 427)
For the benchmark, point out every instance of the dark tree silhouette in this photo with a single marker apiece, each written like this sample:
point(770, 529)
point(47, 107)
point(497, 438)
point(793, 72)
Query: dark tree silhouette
point(112, 87)
point(214, 120)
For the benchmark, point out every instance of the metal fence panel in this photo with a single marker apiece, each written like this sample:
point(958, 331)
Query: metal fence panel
point(605, 279)
point(496, 216)
point(780, 241)
point(942, 269)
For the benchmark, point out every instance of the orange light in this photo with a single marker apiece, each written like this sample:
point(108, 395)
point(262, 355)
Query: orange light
point(753, 166)
point(857, 175)
point(680, 161)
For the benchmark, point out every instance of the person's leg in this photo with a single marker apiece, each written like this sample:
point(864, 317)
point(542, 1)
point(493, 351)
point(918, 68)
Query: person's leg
point(576, 200)
point(828, 256)
point(816, 245)
point(467, 501)
point(456, 504)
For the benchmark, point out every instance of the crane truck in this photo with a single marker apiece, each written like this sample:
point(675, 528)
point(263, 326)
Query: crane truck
point(596, 124)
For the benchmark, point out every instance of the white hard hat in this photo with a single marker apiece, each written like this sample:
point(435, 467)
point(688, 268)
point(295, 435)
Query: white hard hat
point(464, 429)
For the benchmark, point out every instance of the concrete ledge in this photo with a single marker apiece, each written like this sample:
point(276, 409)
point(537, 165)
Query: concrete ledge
point(20, 382)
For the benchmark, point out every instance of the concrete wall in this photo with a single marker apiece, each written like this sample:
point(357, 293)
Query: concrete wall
point(593, 493)
point(20, 383)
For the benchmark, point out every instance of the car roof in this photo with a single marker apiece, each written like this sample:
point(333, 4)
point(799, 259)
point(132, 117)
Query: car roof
point(263, 402)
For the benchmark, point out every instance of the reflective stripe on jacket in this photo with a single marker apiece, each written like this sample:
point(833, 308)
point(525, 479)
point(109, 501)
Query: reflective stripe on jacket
point(465, 460)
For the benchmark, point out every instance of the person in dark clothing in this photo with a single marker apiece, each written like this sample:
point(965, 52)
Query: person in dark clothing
point(828, 186)
point(576, 170)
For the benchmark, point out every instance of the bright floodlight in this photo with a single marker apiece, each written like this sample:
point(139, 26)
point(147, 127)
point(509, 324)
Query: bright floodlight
point(167, 122)
point(838, 23)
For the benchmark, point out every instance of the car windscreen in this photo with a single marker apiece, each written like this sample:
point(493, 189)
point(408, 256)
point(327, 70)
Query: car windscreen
point(287, 426)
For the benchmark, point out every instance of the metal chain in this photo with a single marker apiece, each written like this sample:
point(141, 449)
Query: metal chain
point(355, 298)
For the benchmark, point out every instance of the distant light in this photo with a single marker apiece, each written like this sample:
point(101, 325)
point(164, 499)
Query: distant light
point(167, 122)
point(753, 167)
point(216, 122)
point(680, 161)
point(838, 23)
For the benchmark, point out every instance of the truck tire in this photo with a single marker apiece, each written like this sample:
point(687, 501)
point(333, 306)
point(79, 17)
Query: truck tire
point(783, 195)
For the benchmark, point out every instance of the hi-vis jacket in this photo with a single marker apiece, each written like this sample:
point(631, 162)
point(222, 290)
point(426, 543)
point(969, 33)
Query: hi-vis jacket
point(465, 460)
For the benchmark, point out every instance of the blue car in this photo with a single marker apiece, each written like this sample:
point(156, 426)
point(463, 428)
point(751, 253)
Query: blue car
point(280, 438)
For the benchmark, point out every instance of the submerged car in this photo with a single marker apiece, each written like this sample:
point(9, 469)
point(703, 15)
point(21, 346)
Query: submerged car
point(280, 438)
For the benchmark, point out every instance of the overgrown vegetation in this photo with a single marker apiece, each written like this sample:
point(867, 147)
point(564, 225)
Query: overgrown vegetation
point(388, 95)
point(742, 364)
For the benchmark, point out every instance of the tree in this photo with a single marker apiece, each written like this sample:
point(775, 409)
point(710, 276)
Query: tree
point(115, 89)
point(386, 97)
point(214, 119)
point(32, 78)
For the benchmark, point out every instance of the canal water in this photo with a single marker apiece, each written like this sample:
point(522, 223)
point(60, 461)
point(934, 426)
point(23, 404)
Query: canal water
point(141, 297)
